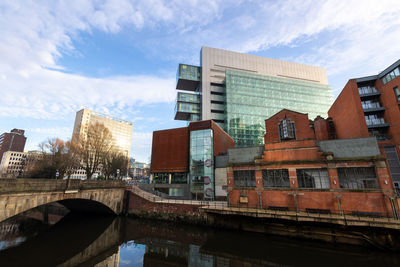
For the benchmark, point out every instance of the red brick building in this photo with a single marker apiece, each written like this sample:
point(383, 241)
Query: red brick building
point(12, 141)
point(182, 160)
point(304, 168)
point(369, 106)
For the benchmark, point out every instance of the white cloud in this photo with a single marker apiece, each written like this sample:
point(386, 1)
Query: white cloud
point(49, 93)
point(52, 131)
point(349, 38)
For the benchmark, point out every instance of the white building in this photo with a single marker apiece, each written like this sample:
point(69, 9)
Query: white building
point(121, 131)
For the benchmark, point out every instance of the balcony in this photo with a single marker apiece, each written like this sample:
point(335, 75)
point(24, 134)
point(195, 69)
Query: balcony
point(188, 77)
point(368, 91)
point(376, 123)
point(372, 107)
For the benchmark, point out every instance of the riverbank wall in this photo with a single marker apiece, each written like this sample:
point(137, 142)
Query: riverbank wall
point(382, 233)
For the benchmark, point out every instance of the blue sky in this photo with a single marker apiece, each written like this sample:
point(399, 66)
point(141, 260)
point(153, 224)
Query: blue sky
point(120, 56)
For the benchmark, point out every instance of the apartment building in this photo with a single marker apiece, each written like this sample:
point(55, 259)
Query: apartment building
point(370, 106)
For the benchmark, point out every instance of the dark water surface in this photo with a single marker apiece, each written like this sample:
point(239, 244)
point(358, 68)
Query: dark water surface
point(109, 241)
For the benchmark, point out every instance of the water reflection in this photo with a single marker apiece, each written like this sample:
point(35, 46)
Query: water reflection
point(94, 241)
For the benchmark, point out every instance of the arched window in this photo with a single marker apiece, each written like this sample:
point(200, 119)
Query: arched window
point(287, 130)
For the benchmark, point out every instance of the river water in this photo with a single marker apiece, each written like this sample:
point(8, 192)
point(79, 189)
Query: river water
point(110, 241)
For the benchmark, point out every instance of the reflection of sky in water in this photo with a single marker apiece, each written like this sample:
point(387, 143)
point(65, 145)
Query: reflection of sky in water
point(131, 254)
point(11, 243)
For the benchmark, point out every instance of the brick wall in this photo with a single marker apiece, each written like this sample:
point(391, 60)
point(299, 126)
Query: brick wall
point(347, 113)
point(302, 125)
point(139, 205)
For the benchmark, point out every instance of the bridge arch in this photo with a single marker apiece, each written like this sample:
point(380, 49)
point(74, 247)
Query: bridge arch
point(19, 195)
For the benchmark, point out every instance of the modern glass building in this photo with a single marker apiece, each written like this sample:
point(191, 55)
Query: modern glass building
point(239, 91)
point(252, 98)
point(201, 160)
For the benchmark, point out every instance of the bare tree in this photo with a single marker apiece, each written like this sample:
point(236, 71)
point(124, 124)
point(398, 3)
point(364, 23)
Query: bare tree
point(114, 161)
point(58, 158)
point(93, 146)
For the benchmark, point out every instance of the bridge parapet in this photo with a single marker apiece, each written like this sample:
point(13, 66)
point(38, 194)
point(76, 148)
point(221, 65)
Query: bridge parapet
point(8, 186)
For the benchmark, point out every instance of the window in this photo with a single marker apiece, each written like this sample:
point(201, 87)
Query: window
point(216, 93)
point(397, 93)
point(244, 178)
point(276, 178)
point(357, 178)
point(313, 178)
point(391, 75)
point(287, 130)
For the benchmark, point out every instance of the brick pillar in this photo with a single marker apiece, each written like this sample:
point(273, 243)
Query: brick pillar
point(259, 183)
point(293, 178)
point(229, 184)
point(229, 177)
point(386, 184)
point(333, 176)
point(382, 173)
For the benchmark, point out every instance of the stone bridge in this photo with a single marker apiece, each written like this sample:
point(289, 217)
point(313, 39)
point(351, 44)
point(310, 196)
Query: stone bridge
point(19, 195)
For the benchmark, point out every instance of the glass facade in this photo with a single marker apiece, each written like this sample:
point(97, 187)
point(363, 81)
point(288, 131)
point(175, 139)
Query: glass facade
point(189, 98)
point(202, 164)
point(253, 98)
point(187, 107)
point(188, 72)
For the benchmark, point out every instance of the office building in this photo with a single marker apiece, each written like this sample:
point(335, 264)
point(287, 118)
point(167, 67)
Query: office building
point(304, 168)
point(138, 170)
point(183, 161)
point(121, 130)
point(12, 141)
point(369, 106)
point(239, 91)
point(14, 164)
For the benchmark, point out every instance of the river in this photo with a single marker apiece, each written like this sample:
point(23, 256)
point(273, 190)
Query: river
point(116, 241)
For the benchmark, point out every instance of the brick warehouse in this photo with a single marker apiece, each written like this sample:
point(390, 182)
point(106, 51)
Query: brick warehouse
point(304, 168)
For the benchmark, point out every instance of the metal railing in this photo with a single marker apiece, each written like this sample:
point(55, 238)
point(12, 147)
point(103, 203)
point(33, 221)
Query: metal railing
point(371, 105)
point(377, 121)
point(367, 90)
point(283, 212)
point(157, 199)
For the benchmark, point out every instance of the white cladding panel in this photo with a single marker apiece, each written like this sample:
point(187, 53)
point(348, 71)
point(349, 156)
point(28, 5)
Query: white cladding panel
point(215, 61)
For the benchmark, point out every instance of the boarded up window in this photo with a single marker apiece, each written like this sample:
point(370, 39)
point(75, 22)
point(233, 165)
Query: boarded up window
point(276, 178)
point(244, 178)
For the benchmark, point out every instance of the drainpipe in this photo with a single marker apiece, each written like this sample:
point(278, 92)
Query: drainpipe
point(393, 206)
point(394, 210)
point(339, 203)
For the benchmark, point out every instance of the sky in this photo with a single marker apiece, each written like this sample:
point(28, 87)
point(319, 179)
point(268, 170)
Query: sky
point(120, 56)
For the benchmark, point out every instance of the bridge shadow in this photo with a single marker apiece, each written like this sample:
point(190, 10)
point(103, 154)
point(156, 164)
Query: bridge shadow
point(66, 240)
point(86, 206)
